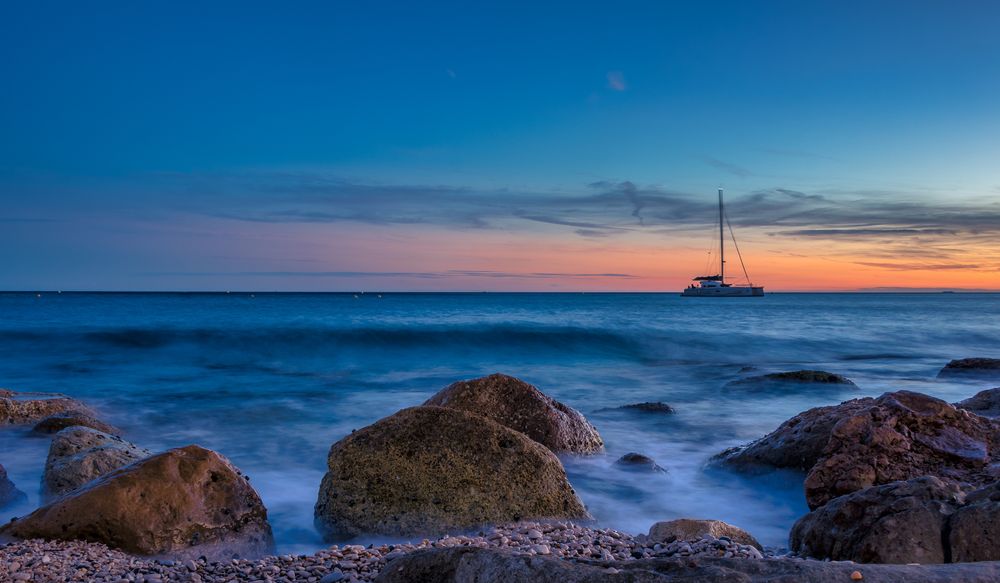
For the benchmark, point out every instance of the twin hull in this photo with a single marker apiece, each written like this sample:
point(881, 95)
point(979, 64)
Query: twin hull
point(724, 292)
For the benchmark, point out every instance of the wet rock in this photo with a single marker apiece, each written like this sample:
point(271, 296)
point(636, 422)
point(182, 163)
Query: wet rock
point(901, 522)
point(9, 494)
point(866, 442)
point(79, 455)
point(434, 469)
point(972, 367)
point(638, 461)
point(522, 407)
point(17, 408)
point(900, 436)
point(647, 407)
point(73, 417)
point(974, 533)
point(985, 403)
point(688, 529)
point(818, 377)
point(186, 502)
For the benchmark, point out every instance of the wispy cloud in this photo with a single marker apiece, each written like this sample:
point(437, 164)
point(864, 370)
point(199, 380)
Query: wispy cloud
point(729, 167)
point(454, 273)
point(920, 266)
point(616, 81)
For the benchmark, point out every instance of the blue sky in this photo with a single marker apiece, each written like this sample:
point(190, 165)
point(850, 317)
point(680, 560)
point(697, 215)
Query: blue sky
point(128, 129)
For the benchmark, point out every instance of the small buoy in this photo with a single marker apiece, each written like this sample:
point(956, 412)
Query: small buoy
point(857, 576)
point(38, 295)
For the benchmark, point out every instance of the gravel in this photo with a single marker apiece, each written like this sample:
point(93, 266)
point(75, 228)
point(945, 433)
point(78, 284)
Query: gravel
point(39, 560)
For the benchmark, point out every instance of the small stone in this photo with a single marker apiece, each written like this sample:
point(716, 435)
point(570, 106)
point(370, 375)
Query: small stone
point(541, 549)
point(857, 576)
point(533, 534)
point(332, 577)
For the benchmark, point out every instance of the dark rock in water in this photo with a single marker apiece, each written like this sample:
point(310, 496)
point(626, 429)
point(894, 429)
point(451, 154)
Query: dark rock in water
point(974, 532)
point(430, 470)
point(972, 367)
point(748, 368)
point(985, 403)
point(866, 442)
point(475, 565)
point(522, 407)
point(9, 494)
point(79, 455)
point(797, 443)
point(649, 407)
point(686, 529)
point(17, 408)
point(74, 417)
point(637, 461)
point(818, 377)
point(901, 522)
point(187, 502)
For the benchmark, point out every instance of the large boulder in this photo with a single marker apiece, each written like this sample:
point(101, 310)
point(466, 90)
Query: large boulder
point(972, 367)
point(433, 469)
point(974, 533)
point(476, 565)
point(688, 529)
point(901, 522)
point(900, 436)
point(522, 407)
point(17, 408)
point(985, 403)
point(78, 455)
point(185, 502)
point(865, 442)
point(70, 418)
point(796, 377)
point(9, 494)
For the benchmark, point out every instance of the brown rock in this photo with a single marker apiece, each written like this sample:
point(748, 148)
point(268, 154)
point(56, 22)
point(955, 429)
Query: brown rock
point(187, 501)
point(900, 436)
point(985, 403)
point(975, 528)
point(901, 522)
point(9, 494)
point(17, 408)
point(73, 417)
point(972, 367)
point(79, 455)
point(688, 529)
point(522, 407)
point(818, 377)
point(434, 469)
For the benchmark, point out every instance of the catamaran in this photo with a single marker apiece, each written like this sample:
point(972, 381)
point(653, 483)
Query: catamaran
point(715, 286)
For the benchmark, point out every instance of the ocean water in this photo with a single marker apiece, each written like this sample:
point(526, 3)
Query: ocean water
point(272, 380)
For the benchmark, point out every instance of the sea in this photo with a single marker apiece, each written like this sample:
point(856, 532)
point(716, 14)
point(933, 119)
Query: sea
point(271, 380)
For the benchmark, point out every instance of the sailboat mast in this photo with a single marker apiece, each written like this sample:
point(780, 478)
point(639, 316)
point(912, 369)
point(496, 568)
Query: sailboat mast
point(722, 244)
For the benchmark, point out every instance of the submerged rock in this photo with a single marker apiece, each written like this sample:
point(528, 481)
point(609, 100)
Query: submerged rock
point(985, 403)
point(798, 377)
point(17, 408)
point(188, 502)
point(972, 367)
point(79, 455)
point(522, 407)
point(901, 522)
point(688, 529)
point(638, 461)
point(73, 417)
point(648, 407)
point(9, 494)
point(434, 469)
point(866, 442)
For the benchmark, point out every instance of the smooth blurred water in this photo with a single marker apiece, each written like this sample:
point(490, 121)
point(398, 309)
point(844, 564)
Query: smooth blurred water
point(272, 380)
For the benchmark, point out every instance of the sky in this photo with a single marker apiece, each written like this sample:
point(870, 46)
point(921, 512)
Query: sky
point(466, 146)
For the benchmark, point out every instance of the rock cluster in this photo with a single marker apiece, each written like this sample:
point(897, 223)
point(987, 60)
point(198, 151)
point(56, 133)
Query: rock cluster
point(522, 407)
point(433, 469)
point(17, 408)
point(78, 455)
point(186, 502)
point(866, 442)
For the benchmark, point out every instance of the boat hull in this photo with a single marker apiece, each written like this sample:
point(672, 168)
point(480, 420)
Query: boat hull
point(724, 292)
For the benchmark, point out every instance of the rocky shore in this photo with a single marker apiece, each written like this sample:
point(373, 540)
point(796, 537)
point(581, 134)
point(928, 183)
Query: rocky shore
point(895, 480)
